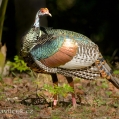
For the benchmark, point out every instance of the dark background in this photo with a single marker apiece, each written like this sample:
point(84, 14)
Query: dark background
point(99, 20)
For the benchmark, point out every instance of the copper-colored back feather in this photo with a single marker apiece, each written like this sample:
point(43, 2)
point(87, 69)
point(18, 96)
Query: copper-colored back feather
point(64, 55)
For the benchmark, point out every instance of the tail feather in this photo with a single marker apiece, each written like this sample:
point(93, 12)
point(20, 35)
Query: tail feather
point(106, 72)
point(107, 67)
point(114, 81)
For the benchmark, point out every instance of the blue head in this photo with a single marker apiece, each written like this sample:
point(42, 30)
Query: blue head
point(41, 12)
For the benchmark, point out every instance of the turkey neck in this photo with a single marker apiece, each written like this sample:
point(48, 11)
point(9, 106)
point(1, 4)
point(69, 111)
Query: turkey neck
point(30, 39)
point(37, 20)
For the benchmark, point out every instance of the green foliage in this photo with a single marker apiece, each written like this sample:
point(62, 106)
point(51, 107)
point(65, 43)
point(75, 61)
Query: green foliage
point(99, 101)
point(116, 72)
point(116, 104)
point(108, 93)
point(49, 88)
point(104, 85)
point(62, 90)
point(2, 95)
point(55, 117)
point(18, 65)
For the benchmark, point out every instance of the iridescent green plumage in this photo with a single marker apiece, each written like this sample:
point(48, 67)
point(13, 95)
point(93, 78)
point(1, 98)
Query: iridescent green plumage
point(42, 51)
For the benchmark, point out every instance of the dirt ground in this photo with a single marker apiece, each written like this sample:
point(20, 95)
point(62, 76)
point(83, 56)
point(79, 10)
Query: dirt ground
point(22, 97)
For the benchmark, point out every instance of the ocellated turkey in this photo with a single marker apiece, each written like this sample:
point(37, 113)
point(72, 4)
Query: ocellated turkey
point(65, 52)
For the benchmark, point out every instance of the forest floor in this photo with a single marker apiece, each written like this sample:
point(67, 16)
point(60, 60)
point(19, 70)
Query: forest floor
point(19, 99)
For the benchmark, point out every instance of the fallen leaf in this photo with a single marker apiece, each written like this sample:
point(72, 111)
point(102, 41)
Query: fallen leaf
point(93, 109)
point(13, 91)
point(80, 92)
point(2, 103)
point(8, 80)
point(9, 115)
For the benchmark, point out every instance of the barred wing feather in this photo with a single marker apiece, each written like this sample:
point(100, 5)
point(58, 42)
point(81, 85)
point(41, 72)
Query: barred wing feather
point(66, 50)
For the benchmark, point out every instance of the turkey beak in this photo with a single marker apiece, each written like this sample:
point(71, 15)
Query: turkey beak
point(50, 14)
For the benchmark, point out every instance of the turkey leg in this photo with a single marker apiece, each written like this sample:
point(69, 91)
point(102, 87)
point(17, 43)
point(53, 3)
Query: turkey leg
point(55, 82)
point(71, 83)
